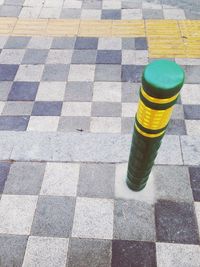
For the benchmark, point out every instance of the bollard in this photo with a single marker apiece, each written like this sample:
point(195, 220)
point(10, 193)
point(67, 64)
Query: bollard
point(161, 83)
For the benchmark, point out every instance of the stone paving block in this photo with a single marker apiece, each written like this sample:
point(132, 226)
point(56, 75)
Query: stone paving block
point(130, 92)
point(177, 113)
point(10, 11)
point(192, 112)
point(109, 57)
point(63, 43)
point(76, 109)
point(84, 57)
point(92, 4)
point(153, 14)
point(30, 12)
point(71, 124)
point(8, 72)
point(6, 145)
point(190, 149)
point(190, 94)
point(70, 13)
point(107, 92)
point(57, 56)
point(17, 42)
point(174, 13)
point(112, 43)
point(128, 43)
point(16, 214)
point(197, 210)
point(50, 12)
point(60, 179)
point(29, 73)
point(176, 222)
point(43, 123)
point(176, 127)
point(12, 250)
point(23, 91)
point(35, 56)
point(192, 127)
point(72, 4)
point(2, 104)
point(127, 125)
point(13, 123)
point(79, 91)
point(132, 14)
point(99, 221)
point(53, 216)
point(141, 43)
point(25, 178)
point(106, 109)
point(192, 74)
point(47, 108)
point(4, 170)
point(96, 180)
point(108, 124)
point(111, 14)
point(91, 14)
point(3, 40)
point(172, 183)
point(110, 4)
point(51, 91)
point(55, 72)
point(130, 4)
point(86, 252)
point(129, 109)
point(132, 73)
point(110, 73)
point(11, 56)
point(80, 72)
point(134, 220)
point(195, 182)
point(46, 251)
point(40, 42)
point(86, 43)
point(133, 253)
point(177, 255)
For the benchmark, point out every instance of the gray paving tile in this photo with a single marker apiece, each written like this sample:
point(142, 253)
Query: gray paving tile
point(191, 112)
point(47, 108)
point(89, 252)
point(63, 43)
point(78, 91)
point(70, 13)
point(128, 43)
point(25, 178)
point(152, 14)
point(96, 180)
point(192, 74)
point(127, 125)
point(108, 73)
point(191, 150)
point(106, 109)
point(172, 183)
point(53, 216)
point(176, 127)
point(141, 43)
point(84, 57)
point(86, 43)
point(195, 182)
point(5, 89)
point(73, 124)
point(40, 42)
point(35, 56)
point(12, 250)
point(130, 92)
point(10, 11)
point(111, 14)
point(176, 222)
point(130, 4)
point(134, 220)
point(109, 57)
point(92, 4)
point(13, 123)
point(8, 72)
point(132, 73)
point(133, 253)
point(55, 72)
point(15, 42)
point(4, 170)
point(23, 91)
point(14, 2)
point(17, 108)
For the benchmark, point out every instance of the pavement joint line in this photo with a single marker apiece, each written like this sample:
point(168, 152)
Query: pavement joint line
point(166, 38)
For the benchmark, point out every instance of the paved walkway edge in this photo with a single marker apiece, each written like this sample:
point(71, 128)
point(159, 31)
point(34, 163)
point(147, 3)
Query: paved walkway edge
point(87, 147)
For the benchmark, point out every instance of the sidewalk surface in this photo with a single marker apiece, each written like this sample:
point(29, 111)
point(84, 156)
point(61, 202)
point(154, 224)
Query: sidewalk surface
point(70, 73)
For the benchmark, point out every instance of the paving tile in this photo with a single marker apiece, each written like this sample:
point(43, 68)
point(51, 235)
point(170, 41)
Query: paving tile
point(55, 72)
point(16, 214)
point(78, 91)
point(132, 14)
point(128, 43)
point(132, 73)
point(176, 222)
point(72, 124)
point(12, 250)
point(3, 40)
point(76, 109)
point(60, 179)
point(190, 150)
point(57, 56)
point(192, 127)
point(8, 72)
point(89, 252)
point(23, 91)
point(11, 56)
point(110, 4)
point(138, 225)
point(10, 11)
point(35, 56)
point(46, 252)
point(129, 109)
point(63, 43)
point(176, 127)
point(72, 4)
point(192, 74)
point(153, 13)
point(192, 112)
point(105, 125)
point(111, 43)
point(47, 108)
point(30, 12)
point(174, 13)
point(190, 94)
point(53, 216)
point(2, 104)
point(43, 123)
point(178, 112)
point(13, 123)
point(130, 92)
point(80, 72)
point(133, 253)
point(86, 43)
point(96, 180)
point(14, 2)
point(109, 57)
point(177, 255)
point(51, 12)
point(29, 73)
point(195, 182)
point(197, 210)
point(91, 14)
point(84, 57)
point(112, 14)
point(130, 4)
point(17, 42)
point(25, 178)
point(135, 57)
point(99, 220)
point(51, 91)
point(70, 13)
point(106, 109)
point(141, 43)
point(40, 42)
point(109, 72)
point(107, 92)
point(127, 125)
point(4, 170)
point(92, 4)
point(172, 183)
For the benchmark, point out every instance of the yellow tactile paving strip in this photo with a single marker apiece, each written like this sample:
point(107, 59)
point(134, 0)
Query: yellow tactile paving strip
point(166, 38)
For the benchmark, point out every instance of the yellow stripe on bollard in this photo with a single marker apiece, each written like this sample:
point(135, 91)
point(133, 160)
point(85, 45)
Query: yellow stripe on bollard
point(147, 134)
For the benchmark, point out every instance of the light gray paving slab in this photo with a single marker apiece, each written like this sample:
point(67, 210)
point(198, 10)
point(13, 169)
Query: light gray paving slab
point(190, 149)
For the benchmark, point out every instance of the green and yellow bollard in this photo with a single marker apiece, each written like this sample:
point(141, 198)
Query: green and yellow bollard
point(161, 83)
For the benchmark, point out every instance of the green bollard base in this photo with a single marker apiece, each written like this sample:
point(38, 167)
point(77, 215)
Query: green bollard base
point(134, 187)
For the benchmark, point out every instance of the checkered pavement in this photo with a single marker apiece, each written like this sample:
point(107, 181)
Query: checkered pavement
point(83, 84)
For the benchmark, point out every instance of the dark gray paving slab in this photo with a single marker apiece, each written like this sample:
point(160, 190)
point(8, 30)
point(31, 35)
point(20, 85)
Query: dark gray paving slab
point(195, 182)
point(4, 170)
point(190, 149)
